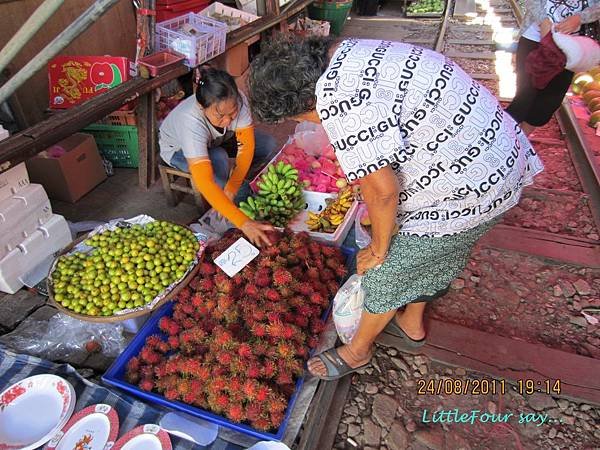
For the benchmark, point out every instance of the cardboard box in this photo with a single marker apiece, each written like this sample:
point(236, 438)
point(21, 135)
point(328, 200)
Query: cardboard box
point(74, 79)
point(235, 60)
point(73, 174)
point(13, 180)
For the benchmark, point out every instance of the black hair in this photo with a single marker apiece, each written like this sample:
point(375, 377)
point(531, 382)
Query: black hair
point(214, 86)
point(284, 74)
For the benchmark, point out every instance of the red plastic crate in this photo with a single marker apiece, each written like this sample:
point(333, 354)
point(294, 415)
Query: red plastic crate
point(166, 12)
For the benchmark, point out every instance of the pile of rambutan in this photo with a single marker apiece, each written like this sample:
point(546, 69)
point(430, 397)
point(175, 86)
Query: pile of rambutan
point(236, 346)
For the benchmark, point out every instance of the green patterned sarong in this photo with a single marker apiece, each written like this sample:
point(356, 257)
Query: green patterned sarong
point(418, 267)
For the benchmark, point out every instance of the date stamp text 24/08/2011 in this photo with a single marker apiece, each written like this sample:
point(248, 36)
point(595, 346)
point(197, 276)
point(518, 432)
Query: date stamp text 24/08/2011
point(485, 386)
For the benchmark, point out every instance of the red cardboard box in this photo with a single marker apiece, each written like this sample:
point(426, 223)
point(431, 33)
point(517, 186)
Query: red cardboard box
point(74, 79)
point(74, 173)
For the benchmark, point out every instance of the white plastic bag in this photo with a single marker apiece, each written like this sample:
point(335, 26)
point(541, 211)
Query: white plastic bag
point(582, 52)
point(311, 137)
point(347, 308)
point(361, 235)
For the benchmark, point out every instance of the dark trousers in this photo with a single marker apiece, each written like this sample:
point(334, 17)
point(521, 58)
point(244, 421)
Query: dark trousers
point(531, 105)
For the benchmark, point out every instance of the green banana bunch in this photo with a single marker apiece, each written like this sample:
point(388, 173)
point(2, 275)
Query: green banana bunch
point(279, 196)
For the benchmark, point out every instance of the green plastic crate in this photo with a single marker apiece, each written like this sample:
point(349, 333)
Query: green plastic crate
point(117, 143)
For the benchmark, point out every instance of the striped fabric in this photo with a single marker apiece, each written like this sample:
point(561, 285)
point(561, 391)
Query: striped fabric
point(15, 367)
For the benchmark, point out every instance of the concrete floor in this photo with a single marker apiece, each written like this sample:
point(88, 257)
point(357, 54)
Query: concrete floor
point(120, 196)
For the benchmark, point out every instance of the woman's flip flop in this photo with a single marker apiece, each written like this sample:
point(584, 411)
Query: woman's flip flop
point(393, 329)
point(336, 366)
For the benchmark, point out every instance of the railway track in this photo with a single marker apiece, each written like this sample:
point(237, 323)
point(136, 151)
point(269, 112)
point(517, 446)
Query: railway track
point(552, 236)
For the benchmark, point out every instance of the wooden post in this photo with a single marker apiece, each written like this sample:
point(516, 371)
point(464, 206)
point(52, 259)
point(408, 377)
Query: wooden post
point(147, 132)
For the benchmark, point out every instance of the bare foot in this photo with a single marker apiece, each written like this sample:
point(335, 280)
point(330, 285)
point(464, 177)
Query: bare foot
point(350, 357)
point(415, 332)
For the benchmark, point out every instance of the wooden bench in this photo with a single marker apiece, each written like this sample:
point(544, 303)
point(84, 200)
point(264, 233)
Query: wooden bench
point(177, 183)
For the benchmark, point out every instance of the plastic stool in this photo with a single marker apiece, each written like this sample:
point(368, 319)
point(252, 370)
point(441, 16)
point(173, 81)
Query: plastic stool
point(176, 183)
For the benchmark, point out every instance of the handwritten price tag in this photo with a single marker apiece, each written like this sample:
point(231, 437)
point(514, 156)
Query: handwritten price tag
point(236, 257)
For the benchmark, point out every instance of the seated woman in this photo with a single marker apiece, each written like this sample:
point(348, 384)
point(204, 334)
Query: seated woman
point(190, 139)
point(433, 152)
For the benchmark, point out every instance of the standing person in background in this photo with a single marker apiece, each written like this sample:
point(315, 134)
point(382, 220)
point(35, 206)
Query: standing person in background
point(533, 107)
point(433, 151)
point(190, 139)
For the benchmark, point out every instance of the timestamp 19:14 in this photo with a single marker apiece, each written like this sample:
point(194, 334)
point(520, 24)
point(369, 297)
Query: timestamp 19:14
point(485, 386)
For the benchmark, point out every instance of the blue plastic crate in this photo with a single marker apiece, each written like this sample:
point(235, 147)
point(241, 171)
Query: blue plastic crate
point(115, 375)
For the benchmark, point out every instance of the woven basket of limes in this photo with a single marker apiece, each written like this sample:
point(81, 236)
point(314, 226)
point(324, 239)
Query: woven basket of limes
point(123, 269)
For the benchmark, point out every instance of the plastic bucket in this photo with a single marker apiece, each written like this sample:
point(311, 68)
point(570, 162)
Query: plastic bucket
point(335, 13)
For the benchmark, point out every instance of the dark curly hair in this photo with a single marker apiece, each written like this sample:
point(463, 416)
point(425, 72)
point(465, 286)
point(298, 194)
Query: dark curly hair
point(283, 76)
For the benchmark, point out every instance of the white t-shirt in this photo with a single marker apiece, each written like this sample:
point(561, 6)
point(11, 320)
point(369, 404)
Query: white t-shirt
point(556, 11)
point(186, 128)
point(459, 158)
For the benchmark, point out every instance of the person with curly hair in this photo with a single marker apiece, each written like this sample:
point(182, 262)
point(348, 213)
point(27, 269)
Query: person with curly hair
point(532, 107)
point(190, 140)
point(434, 153)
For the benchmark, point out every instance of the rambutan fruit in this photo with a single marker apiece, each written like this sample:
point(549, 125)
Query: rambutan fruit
point(289, 331)
point(269, 369)
point(260, 347)
point(301, 321)
point(275, 329)
point(189, 398)
point(272, 295)
point(317, 326)
point(172, 394)
point(292, 259)
point(276, 403)
point(173, 342)
point(188, 308)
point(253, 411)
point(149, 356)
point(249, 389)
point(133, 364)
point(184, 294)
point(258, 315)
point(262, 392)
point(262, 277)
point(274, 316)
point(317, 299)
point(332, 288)
point(259, 330)
point(313, 273)
point(197, 300)
point(251, 290)
point(132, 376)
point(285, 291)
point(329, 251)
point(276, 418)
point(160, 370)
point(262, 424)
point(283, 247)
point(327, 275)
point(146, 385)
point(224, 358)
point(245, 350)
point(253, 370)
point(167, 325)
point(312, 342)
point(235, 412)
point(221, 402)
point(224, 302)
point(223, 283)
point(285, 350)
point(340, 272)
point(314, 248)
point(206, 269)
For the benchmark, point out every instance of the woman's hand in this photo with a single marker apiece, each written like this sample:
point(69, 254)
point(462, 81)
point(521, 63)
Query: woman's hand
point(545, 27)
point(366, 260)
point(570, 25)
point(256, 232)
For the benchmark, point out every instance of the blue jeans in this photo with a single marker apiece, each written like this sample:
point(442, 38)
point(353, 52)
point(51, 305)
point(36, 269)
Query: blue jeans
point(264, 149)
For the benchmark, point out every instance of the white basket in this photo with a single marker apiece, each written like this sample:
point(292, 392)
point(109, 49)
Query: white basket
point(219, 9)
point(207, 41)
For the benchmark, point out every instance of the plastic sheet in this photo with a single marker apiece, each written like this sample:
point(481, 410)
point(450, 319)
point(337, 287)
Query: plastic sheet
point(65, 338)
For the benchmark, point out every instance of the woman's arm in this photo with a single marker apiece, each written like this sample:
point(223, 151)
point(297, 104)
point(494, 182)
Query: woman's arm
point(203, 178)
point(380, 191)
point(243, 160)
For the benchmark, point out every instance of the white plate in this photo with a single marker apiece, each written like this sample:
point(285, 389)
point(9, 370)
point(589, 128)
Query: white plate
point(93, 428)
point(33, 410)
point(144, 437)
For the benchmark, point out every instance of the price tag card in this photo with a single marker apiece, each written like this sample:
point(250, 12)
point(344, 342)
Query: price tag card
point(236, 257)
